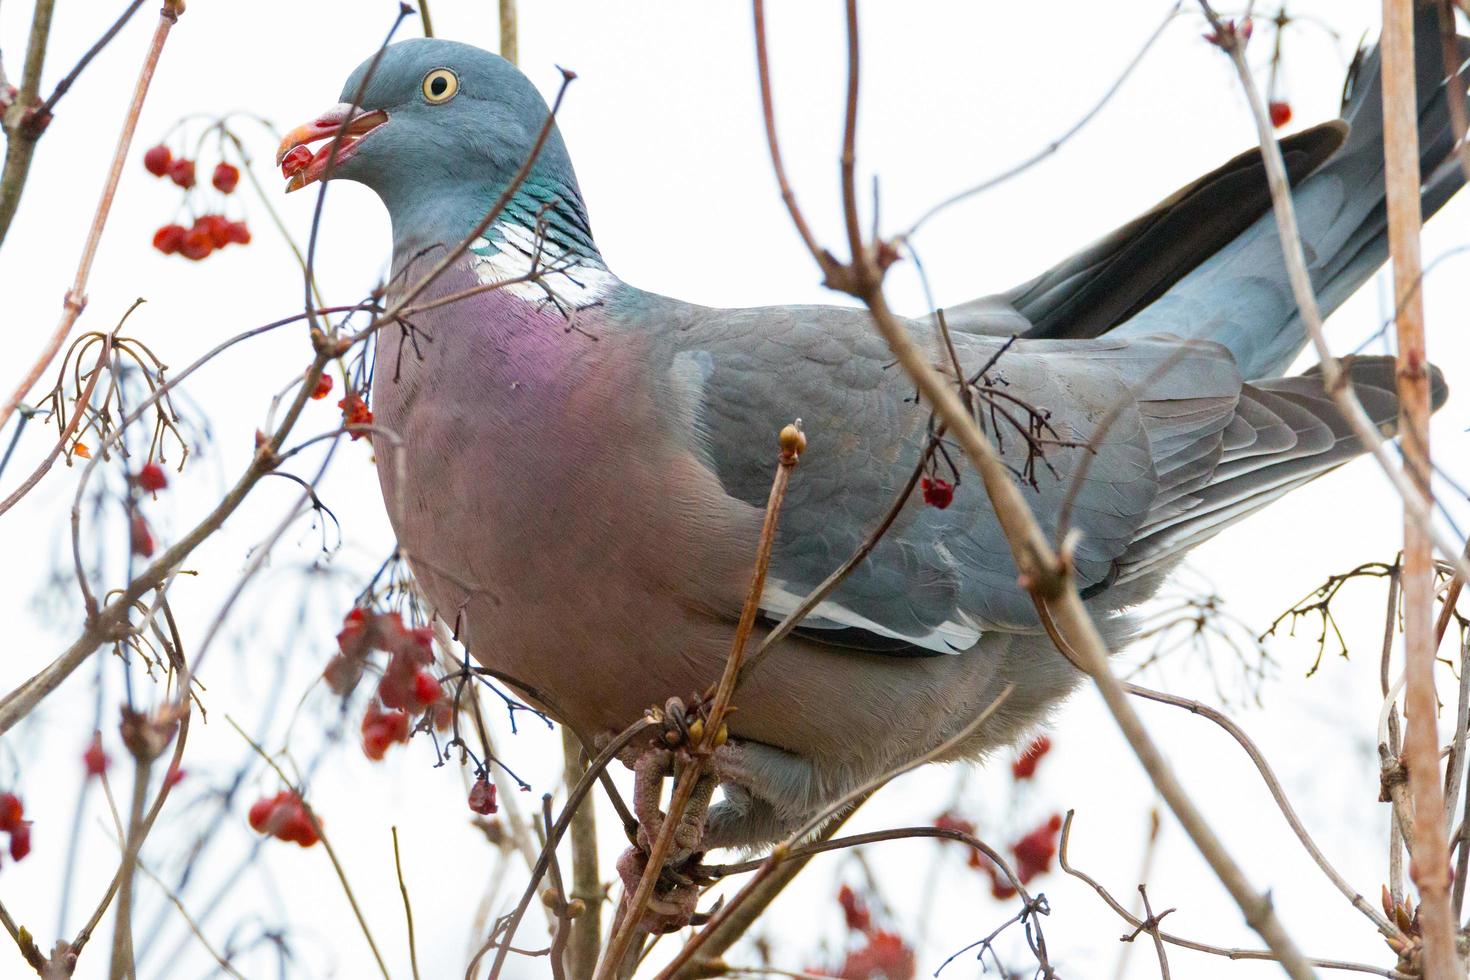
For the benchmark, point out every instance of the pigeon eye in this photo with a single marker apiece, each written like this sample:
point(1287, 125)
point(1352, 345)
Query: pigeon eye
point(440, 85)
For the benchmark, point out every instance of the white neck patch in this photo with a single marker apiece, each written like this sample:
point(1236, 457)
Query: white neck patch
point(545, 271)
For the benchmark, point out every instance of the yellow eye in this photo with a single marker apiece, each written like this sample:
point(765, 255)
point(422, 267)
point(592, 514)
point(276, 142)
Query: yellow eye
point(440, 85)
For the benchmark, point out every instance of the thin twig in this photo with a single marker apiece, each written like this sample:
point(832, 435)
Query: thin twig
point(76, 296)
point(413, 953)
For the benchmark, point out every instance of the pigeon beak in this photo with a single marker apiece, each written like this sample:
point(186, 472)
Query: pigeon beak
point(297, 161)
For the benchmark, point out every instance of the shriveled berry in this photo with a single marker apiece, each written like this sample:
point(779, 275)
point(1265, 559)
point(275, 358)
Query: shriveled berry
point(151, 478)
point(157, 160)
point(482, 797)
point(225, 177)
point(181, 172)
point(295, 161)
point(323, 387)
point(355, 412)
point(169, 239)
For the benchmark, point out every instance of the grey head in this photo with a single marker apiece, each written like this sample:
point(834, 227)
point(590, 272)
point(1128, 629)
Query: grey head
point(439, 131)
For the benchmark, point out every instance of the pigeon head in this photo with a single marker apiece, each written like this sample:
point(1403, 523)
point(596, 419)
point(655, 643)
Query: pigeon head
point(436, 128)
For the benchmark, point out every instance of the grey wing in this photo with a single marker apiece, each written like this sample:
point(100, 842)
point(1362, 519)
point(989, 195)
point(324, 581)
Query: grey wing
point(940, 577)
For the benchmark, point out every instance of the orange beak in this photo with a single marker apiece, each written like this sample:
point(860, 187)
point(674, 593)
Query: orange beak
point(302, 166)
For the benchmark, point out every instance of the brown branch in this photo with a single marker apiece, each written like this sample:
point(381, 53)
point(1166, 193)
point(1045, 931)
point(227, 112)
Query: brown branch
point(586, 930)
point(316, 825)
point(76, 297)
point(1430, 868)
point(792, 443)
point(20, 124)
point(1046, 574)
point(788, 847)
point(413, 953)
point(1278, 794)
point(1173, 940)
point(509, 34)
point(574, 800)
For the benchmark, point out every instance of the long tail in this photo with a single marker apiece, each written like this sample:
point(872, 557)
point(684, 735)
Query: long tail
point(1241, 298)
point(1206, 262)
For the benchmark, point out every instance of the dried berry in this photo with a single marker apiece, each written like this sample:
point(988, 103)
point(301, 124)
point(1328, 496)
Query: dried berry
point(225, 177)
point(157, 160)
point(181, 172)
point(151, 478)
point(355, 412)
point(482, 797)
point(323, 387)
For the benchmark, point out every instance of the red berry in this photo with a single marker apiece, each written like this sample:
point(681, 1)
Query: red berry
point(169, 239)
point(181, 172)
point(426, 689)
point(226, 176)
point(1035, 851)
point(937, 493)
point(260, 813)
point(94, 758)
point(157, 160)
point(20, 840)
point(323, 387)
point(239, 233)
point(482, 797)
point(1280, 113)
point(216, 227)
point(11, 811)
point(151, 478)
point(140, 537)
point(1025, 766)
point(295, 161)
point(854, 910)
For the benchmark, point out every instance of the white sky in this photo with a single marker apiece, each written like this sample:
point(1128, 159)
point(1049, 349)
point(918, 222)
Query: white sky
point(664, 127)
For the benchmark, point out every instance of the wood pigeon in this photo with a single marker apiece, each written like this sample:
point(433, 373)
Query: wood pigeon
point(581, 465)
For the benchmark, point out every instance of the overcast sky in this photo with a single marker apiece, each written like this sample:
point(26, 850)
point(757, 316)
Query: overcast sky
point(663, 124)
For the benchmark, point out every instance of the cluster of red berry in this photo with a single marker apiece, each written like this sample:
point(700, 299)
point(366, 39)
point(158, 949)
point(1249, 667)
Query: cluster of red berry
point(150, 479)
point(12, 823)
point(284, 817)
point(407, 687)
point(209, 231)
point(882, 955)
